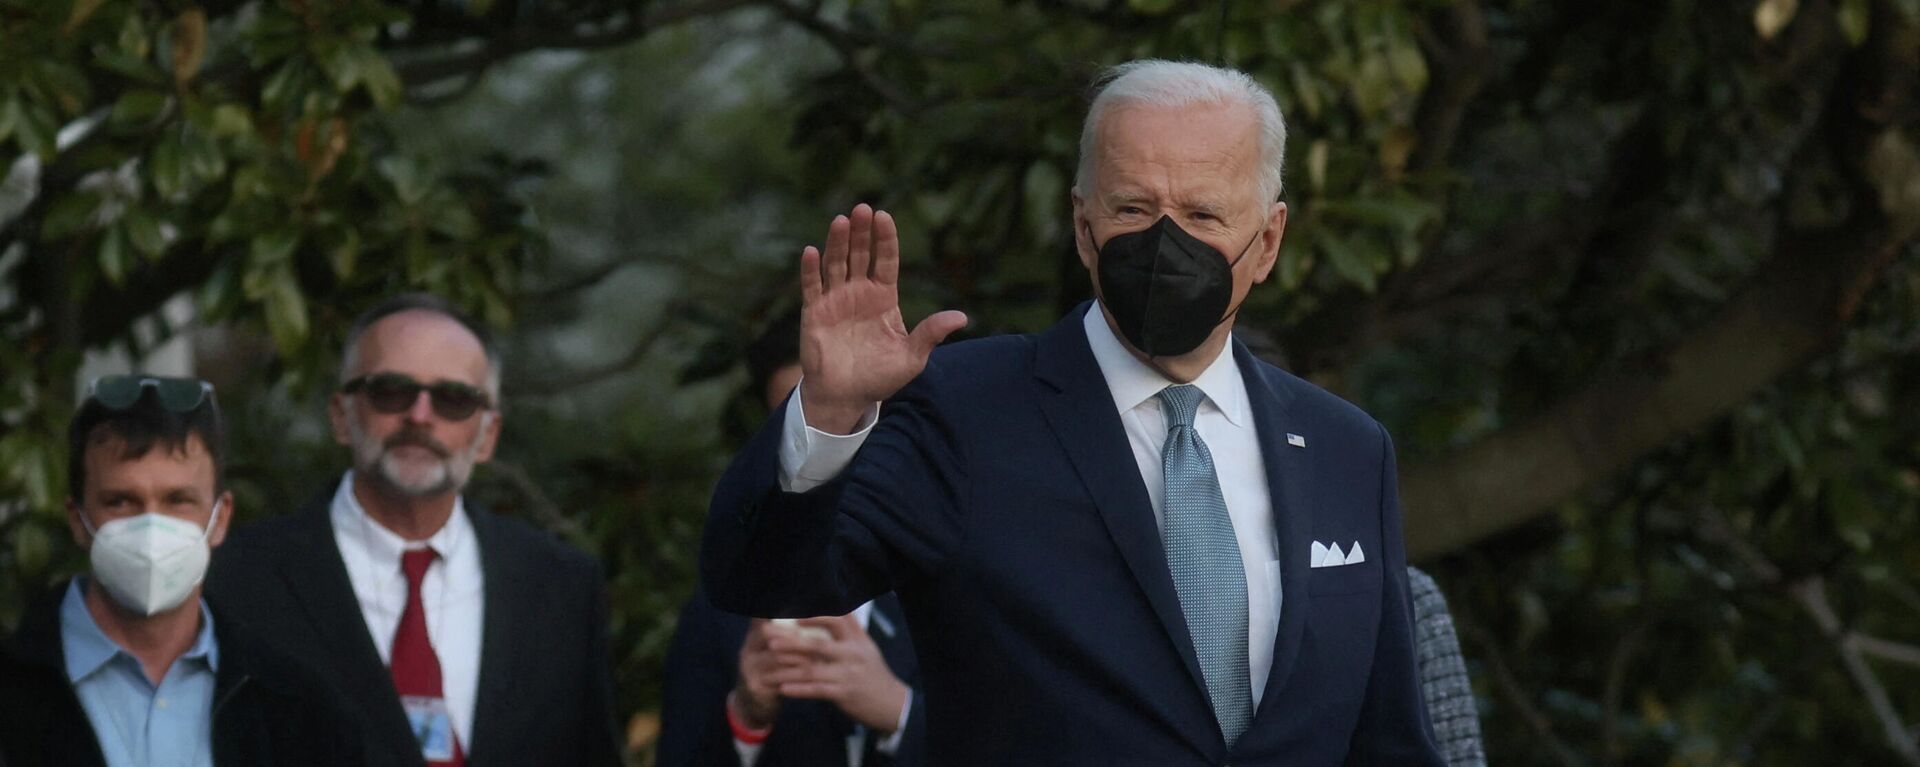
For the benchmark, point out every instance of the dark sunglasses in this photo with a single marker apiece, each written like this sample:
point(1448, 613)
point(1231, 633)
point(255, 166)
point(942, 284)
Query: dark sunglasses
point(395, 393)
point(179, 395)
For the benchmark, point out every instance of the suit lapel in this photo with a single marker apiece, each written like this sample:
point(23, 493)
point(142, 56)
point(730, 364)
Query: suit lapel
point(1287, 484)
point(317, 577)
point(499, 642)
point(1079, 408)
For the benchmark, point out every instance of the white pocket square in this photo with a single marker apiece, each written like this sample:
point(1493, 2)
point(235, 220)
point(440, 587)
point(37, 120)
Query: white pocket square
point(1331, 556)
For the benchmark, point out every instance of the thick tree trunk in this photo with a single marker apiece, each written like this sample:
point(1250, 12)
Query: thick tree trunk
point(1796, 309)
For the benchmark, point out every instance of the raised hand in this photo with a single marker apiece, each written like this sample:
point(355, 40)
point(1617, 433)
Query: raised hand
point(855, 348)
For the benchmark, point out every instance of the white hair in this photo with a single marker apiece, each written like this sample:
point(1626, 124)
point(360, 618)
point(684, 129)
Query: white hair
point(1162, 83)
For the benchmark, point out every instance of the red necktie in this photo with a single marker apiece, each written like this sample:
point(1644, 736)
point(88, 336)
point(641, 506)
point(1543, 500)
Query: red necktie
point(416, 671)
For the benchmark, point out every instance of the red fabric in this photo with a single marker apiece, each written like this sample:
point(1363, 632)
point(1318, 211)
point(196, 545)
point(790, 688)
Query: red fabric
point(415, 667)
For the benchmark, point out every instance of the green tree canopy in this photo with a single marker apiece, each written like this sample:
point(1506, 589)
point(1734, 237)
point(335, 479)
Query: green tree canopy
point(1634, 285)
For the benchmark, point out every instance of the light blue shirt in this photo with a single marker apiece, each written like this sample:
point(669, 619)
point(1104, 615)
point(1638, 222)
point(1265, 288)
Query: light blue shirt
point(138, 724)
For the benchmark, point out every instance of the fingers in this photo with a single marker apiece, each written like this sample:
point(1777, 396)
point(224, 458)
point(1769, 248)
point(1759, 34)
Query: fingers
point(812, 690)
point(810, 285)
point(886, 249)
point(934, 329)
point(860, 246)
point(840, 627)
point(839, 233)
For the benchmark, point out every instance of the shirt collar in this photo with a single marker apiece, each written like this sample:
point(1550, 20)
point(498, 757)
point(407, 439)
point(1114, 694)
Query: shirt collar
point(1132, 382)
point(87, 648)
point(352, 521)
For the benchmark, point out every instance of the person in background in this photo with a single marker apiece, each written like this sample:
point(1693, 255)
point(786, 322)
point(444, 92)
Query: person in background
point(723, 705)
point(126, 666)
point(464, 638)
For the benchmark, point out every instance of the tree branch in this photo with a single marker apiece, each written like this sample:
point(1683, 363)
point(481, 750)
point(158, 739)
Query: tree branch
point(542, 507)
point(1804, 297)
point(546, 387)
point(1463, 59)
point(1516, 693)
point(475, 59)
point(1812, 595)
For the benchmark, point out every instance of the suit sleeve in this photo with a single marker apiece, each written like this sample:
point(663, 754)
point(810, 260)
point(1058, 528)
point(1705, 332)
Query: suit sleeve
point(600, 730)
point(1393, 728)
point(892, 517)
point(700, 672)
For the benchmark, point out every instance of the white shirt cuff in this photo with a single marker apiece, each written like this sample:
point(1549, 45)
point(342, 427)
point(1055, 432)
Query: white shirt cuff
point(891, 743)
point(810, 457)
point(748, 752)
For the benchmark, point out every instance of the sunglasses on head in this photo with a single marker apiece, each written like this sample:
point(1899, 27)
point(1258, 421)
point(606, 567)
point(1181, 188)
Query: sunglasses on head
point(395, 393)
point(178, 395)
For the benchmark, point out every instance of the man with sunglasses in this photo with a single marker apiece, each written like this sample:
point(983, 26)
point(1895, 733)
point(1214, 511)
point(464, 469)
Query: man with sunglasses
point(126, 666)
point(467, 638)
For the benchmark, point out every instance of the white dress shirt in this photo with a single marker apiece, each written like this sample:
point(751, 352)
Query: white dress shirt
point(810, 457)
point(453, 593)
point(857, 742)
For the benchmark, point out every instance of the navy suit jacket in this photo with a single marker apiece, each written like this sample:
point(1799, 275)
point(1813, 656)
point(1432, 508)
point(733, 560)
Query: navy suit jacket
point(703, 665)
point(999, 496)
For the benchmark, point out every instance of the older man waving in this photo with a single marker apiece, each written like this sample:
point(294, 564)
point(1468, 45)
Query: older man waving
point(1120, 541)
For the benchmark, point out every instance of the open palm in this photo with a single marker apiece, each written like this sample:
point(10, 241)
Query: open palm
point(855, 348)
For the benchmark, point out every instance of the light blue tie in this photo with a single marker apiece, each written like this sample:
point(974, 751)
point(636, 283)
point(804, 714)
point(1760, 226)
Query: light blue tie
point(1204, 556)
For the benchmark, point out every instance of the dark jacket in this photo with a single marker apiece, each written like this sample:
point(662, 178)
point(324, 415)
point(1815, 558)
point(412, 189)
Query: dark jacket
point(546, 681)
point(268, 710)
point(703, 665)
point(999, 497)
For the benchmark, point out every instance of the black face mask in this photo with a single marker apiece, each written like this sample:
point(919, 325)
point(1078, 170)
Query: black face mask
point(1166, 289)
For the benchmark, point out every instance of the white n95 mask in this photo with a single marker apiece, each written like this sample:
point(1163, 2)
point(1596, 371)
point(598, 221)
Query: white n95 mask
point(149, 563)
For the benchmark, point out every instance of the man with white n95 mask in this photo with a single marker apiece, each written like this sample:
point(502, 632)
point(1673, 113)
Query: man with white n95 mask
point(126, 665)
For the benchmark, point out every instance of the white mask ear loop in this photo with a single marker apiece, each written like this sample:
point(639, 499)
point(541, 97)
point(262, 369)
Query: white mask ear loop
point(212, 519)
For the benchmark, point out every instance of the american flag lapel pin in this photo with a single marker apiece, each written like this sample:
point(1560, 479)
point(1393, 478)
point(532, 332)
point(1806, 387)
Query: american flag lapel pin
point(1296, 440)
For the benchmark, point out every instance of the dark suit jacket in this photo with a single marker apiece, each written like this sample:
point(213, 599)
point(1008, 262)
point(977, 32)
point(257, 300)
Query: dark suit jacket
point(268, 710)
point(546, 688)
point(998, 495)
point(703, 666)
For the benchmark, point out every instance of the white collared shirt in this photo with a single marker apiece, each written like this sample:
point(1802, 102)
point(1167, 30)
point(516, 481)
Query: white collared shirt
point(810, 457)
point(453, 593)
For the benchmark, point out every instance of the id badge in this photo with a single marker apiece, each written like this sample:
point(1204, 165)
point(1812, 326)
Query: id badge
point(432, 725)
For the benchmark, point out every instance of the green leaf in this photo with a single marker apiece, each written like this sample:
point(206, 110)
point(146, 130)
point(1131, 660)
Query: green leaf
point(169, 167)
point(114, 257)
point(1855, 17)
point(70, 214)
point(343, 256)
point(37, 127)
point(137, 108)
point(1150, 7)
point(144, 231)
point(231, 120)
point(128, 65)
point(9, 116)
point(202, 154)
point(274, 248)
point(32, 548)
point(286, 309)
point(1349, 261)
point(63, 84)
point(356, 65)
point(410, 183)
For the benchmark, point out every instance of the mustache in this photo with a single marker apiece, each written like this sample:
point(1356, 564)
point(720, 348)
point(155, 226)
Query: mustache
point(416, 439)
